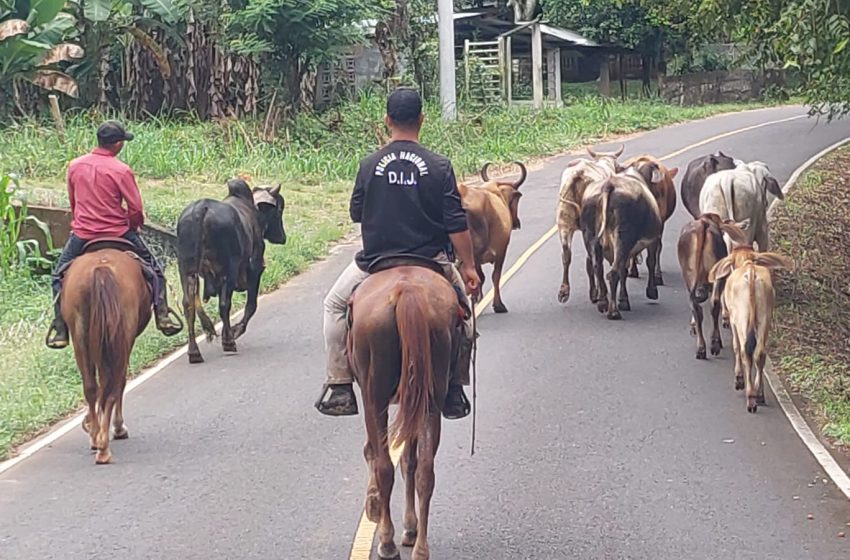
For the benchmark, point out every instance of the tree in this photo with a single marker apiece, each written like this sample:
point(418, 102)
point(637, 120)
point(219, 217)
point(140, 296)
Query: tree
point(293, 37)
point(35, 40)
point(808, 36)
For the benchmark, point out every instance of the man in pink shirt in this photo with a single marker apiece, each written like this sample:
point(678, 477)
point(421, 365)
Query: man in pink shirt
point(105, 202)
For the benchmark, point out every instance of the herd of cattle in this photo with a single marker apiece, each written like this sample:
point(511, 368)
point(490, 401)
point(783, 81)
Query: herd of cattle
point(620, 208)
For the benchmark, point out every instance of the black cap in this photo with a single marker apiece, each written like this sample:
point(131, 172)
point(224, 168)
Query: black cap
point(112, 132)
point(404, 106)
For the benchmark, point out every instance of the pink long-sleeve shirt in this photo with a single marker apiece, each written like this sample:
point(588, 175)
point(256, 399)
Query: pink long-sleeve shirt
point(105, 199)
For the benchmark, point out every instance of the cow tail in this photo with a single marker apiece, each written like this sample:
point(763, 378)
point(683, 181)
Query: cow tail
point(702, 233)
point(416, 388)
point(728, 188)
point(752, 340)
point(109, 337)
point(607, 189)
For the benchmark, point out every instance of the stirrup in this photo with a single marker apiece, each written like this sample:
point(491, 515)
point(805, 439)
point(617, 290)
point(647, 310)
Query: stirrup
point(180, 325)
point(319, 404)
point(51, 342)
point(467, 408)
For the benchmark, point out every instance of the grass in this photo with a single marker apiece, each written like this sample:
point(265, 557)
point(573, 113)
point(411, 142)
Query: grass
point(812, 321)
point(315, 158)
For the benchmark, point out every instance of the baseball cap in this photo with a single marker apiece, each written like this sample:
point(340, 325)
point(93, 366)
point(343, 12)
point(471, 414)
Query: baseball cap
point(111, 132)
point(404, 105)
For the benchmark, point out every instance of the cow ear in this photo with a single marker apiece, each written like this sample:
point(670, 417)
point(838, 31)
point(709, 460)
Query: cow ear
point(773, 261)
point(744, 225)
point(736, 231)
point(674, 172)
point(657, 175)
point(721, 270)
point(773, 186)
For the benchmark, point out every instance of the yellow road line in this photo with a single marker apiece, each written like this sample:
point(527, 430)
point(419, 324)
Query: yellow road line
point(361, 549)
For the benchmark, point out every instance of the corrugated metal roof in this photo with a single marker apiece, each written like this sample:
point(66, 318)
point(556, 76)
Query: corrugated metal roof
point(567, 35)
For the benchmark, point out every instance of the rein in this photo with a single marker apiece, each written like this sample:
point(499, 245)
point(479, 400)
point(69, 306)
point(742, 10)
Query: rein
point(474, 376)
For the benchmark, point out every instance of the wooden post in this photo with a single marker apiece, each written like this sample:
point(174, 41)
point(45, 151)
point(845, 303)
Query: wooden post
point(509, 70)
point(57, 116)
point(466, 65)
point(605, 76)
point(550, 75)
point(537, 65)
point(448, 88)
point(559, 98)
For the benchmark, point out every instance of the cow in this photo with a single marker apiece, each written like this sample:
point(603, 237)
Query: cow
point(701, 245)
point(492, 210)
point(742, 193)
point(664, 191)
point(695, 175)
point(223, 243)
point(619, 219)
point(750, 298)
point(575, 180)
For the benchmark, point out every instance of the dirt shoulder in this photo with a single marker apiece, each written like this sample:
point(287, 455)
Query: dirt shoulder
point(810, 345)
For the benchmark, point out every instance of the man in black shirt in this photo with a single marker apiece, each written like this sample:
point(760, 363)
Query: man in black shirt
point(407, 202)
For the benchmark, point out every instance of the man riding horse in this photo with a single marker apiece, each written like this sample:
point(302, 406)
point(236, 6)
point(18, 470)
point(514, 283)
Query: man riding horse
point(407, 202)
point(99, 187)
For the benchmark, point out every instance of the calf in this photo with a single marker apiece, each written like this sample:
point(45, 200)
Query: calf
point(575, 180)
point(742, 193)
point(619, 219)
point(697, 172)
point(700, 247)
point(223, 243)
point(492, 210)
point(750, 298)
point(664, 191)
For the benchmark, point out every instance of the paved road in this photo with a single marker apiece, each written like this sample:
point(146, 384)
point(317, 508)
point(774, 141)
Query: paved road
point(597, 439)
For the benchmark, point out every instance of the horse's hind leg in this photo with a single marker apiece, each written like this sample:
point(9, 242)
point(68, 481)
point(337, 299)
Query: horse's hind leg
point(427, 450)
point(104, 455)
point(89, 375)
point(118, 422)
point(373, 497)
point(408, 471)
point(384, 473)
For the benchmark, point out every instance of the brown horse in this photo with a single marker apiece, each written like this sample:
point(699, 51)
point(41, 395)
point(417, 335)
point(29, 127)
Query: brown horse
point(106, 303)
point(401, 345)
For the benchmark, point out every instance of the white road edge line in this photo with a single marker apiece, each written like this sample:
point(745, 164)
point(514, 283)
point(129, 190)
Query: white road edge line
point(798, 422)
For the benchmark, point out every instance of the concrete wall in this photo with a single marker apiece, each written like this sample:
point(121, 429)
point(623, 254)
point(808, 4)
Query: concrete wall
point(715, 87)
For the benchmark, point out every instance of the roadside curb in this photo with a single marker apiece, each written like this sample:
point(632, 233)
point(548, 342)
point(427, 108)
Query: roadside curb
point(792, 413)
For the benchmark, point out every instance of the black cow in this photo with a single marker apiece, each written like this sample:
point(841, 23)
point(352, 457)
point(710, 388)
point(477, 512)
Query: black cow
point(222, 242)
point(619, 219)
point(694, 179)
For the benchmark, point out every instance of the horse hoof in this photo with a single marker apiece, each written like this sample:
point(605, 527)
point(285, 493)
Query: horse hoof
point(701, 354)
point(500, 308)
point(373, 508)
point(564, 295)
point(739, 383)
point(103, 458)
point(652, 292)
point(229, 347)
point(752, 407)
point(614, 315)
point(196, 358)
point(122, 433)
point(388, 552)
point(408, 538)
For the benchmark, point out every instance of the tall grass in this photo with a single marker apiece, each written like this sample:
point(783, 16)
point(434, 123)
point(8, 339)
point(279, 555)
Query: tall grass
point(315, 158)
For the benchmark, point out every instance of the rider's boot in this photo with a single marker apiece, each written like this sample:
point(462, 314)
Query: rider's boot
point(57, 335)
point(163, 314)
point(340, 402)
point(457, 405)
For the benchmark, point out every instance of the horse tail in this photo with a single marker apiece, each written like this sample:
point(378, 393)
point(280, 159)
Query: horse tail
point(107, 330)
point(416, 386)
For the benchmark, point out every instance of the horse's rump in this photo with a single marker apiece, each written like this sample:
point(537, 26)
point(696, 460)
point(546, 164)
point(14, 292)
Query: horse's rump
point(400, 343)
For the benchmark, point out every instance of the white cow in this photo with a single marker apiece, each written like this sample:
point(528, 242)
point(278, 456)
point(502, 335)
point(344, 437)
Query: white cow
point(742, 194)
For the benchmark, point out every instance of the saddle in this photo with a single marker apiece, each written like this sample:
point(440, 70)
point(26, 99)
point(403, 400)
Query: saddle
point(388, 262)
point(119, 244)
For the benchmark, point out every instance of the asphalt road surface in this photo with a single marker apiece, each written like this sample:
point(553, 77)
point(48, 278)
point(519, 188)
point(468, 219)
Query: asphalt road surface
point(596, 439)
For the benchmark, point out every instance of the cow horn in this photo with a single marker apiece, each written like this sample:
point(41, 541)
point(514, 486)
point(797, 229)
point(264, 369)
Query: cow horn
point(592, 153)
point(276, 190)
point(619, 152)
point(484, 176)
point(522, 177)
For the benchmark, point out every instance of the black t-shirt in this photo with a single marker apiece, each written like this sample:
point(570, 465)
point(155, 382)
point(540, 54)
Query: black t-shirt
point(406, 200)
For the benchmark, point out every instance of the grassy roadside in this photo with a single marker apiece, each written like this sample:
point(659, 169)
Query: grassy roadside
point(177, 162)
point(811, 338)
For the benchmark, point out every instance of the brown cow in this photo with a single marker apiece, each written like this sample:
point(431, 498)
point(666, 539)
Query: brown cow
point(619, 220)
point(664, 191)
point(492, 210)
point(750, 298)
point(575, 180)
point(700, 246)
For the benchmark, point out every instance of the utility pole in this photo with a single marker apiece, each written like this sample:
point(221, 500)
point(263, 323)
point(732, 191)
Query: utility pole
point(448, 89)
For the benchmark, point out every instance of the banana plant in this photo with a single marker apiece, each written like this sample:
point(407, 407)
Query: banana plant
point(36, 37)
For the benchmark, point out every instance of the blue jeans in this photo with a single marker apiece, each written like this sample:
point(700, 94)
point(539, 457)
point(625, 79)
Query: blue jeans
point(74, 248)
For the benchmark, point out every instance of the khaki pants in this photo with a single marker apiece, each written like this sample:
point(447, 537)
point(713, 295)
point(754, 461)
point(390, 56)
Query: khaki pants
point(336, 329)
